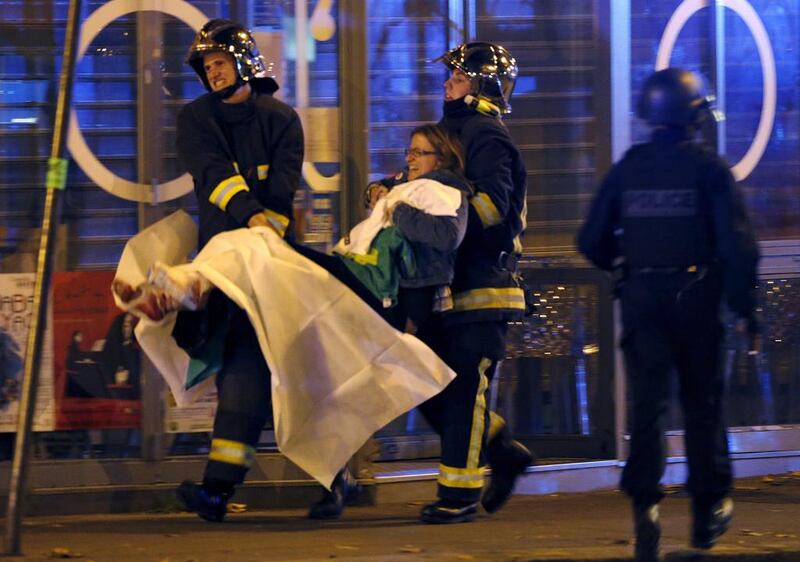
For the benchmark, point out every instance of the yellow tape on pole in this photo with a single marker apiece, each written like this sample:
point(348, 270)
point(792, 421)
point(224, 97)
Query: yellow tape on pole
point(56, 173)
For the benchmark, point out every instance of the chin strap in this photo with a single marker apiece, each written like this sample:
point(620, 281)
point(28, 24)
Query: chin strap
point(482, 105)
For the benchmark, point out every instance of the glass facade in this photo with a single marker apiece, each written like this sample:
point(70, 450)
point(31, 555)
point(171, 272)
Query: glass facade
point(746, 56)
point(558, 376)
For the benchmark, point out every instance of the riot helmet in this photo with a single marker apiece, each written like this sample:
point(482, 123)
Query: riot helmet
point(226, 36)
point(674, 97)
point(491, 69)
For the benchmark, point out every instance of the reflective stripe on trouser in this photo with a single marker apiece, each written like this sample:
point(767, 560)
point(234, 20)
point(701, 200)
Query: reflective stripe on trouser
point(244, 406)
point(496, 425)
point(232, 452)
point(460, 417)
point(468, 479)
point(459, 413)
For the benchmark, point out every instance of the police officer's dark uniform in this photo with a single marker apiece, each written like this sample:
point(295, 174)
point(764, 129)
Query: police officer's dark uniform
point(486, 293)
point(670, 218)
point(245, 159)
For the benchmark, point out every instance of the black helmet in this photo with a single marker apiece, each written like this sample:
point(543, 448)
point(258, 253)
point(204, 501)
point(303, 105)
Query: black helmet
point(490, 67)
point(226, 36)
point(674, 97)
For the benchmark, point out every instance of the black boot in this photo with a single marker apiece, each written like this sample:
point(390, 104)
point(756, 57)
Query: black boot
point(508, 459)
point(648, 533)
point(710, 522)
point(209, 502)
point(343, 491)
point(448, 511)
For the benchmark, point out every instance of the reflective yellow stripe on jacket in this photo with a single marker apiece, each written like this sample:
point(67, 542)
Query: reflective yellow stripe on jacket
point(481, 299)
point(226, 189)
point(486, 209)
point(278, 221)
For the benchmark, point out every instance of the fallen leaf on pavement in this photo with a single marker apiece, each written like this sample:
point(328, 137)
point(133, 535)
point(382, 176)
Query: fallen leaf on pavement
point(63, 552)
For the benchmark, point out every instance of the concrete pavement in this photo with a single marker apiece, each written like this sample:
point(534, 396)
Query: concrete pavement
point(580, 527)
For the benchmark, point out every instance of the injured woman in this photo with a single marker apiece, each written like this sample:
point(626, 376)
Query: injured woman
point(325, 324)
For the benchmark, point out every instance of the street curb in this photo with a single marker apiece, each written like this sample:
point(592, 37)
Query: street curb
point(688, 556)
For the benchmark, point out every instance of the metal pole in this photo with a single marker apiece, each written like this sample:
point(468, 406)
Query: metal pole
point(56, 178)
point(461, 27)
point(301, 28)
point(612, 139)
point(717, 74)
point(354, 102)
point(149, 148)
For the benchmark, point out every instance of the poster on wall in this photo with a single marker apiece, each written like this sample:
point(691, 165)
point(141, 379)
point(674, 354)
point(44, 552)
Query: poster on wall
point(16, 304)
point(95, 355)
point(195, 417)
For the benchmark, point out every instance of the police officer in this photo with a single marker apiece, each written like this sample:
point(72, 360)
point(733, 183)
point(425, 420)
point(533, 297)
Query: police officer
point(486, 290)
point(670, 219)
point(244, 150)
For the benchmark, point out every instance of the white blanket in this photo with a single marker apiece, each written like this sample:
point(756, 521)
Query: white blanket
point(434, 197)
point(339, 371)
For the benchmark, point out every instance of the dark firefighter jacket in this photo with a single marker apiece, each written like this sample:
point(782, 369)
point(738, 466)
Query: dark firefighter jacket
point(244, 158)
point(485, 286)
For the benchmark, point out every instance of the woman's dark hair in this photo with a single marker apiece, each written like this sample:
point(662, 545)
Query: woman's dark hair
point(447, 146)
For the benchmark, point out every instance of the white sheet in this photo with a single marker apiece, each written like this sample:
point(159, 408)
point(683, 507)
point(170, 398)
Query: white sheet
point(434, 197)
point(339, 371)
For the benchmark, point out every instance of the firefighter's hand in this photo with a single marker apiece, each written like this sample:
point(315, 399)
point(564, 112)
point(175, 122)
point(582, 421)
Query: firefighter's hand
point(125, 292)
point(260, 219)
point(375, 193)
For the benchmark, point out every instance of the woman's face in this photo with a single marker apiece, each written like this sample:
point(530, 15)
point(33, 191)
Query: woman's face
point(457, 86)
point(421, 157)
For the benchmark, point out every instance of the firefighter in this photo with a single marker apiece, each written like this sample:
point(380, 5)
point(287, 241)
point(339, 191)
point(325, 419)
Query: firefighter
point(244, 151)
point(486, 289)
point(670, 219)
